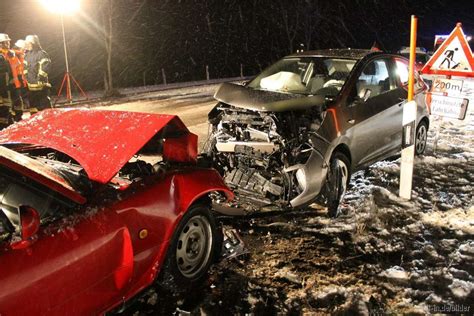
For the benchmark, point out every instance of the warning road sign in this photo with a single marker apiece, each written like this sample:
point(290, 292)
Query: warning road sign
point(453, 57)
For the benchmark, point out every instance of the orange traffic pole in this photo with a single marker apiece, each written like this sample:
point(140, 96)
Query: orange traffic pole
point(411, 71)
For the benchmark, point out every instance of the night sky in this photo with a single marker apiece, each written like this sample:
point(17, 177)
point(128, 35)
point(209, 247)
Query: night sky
point(182, 37)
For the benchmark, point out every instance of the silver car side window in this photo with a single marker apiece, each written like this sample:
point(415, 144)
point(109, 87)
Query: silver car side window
point(375, 77)
point(402, 72)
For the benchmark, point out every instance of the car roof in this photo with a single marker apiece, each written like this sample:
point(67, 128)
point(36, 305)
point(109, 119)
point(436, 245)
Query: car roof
point(342, 53)
point(419, 50)
point(101, 141)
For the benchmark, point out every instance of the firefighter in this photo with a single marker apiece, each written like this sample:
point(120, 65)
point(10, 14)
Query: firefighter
point(37, 65)
point(15, 59)
point(19, 79)
point(6, 116)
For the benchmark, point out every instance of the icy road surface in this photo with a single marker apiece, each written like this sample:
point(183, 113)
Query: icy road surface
point(384, 255)
point(191, 104)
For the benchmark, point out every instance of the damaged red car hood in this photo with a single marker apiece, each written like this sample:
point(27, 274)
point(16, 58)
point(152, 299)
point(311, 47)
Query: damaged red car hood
point(101, 141)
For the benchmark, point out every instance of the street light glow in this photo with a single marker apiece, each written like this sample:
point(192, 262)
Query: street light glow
point(62, 6)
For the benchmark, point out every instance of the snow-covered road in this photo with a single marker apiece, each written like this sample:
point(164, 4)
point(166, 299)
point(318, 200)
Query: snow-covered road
point(191, 104)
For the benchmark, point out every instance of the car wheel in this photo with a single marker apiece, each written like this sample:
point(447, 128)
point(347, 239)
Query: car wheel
point(337, 182)
point(194, 245)
point(421, 138)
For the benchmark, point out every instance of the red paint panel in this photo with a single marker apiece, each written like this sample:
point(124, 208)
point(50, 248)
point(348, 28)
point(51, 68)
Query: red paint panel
point(67, 271)
point(182, 149)
point(100, 141)
point(188, 187)
point(124, 272)
point(159, 210)
point(95, 260)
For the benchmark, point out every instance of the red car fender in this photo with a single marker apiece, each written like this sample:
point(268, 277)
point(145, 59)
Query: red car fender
point(185, 188)
point(190, 187)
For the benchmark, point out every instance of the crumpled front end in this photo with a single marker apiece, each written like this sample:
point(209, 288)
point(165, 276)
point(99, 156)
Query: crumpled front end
point(269, 159)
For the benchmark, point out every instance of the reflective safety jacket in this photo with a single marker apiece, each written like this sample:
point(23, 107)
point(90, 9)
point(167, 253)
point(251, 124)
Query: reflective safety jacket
point(37, 65)
point(16, 60)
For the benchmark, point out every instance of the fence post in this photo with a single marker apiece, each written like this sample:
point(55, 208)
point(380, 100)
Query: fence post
point(163, 74)
point(207, 72)
point(241, 71)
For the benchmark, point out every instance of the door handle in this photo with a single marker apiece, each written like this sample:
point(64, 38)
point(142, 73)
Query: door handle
point(402, 101)
point(352, 121)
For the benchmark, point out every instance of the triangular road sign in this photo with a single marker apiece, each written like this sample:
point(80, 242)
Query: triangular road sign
point(453, 57)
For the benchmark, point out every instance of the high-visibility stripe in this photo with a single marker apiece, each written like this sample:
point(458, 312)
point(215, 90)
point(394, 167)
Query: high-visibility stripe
point(43, 60)
point(41, 72)
point(38, 86)
point(35, 86)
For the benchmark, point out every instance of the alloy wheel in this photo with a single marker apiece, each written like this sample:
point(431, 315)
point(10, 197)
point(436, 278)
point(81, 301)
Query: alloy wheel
point(421, 137)
point(342, 175)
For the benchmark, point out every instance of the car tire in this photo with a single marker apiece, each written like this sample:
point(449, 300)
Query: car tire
point(193, 248)
point(337, 182)
point(421, 137)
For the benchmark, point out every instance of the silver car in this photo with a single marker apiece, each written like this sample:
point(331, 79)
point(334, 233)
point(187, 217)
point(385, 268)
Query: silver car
point(296, 132)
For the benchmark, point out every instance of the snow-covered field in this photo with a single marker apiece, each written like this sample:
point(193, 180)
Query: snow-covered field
point(384, 255)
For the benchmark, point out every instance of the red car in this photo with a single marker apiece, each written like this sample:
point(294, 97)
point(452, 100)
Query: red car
point(96, 205)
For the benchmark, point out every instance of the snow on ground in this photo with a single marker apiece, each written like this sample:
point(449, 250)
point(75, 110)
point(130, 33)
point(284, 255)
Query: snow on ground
point(383, 255)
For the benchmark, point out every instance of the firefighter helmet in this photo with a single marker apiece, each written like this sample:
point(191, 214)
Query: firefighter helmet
point(4, 37)
point(20, 44)
point(33, 39)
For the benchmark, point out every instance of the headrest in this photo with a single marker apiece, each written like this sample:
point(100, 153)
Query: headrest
point(369, 69)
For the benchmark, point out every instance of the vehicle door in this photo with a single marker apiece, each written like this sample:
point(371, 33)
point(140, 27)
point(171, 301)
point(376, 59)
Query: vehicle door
point(401, 68)
point(81, 261)
point(377, 113)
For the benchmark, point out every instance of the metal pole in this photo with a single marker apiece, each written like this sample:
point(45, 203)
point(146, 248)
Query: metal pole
point(68, 87)
point(411, 69)
point(409, 122)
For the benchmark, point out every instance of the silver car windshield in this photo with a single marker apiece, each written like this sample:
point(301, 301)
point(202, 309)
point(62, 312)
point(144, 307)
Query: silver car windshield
point(305, 75)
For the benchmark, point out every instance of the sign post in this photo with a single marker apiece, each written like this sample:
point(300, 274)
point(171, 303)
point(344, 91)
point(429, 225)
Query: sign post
point(409, 122)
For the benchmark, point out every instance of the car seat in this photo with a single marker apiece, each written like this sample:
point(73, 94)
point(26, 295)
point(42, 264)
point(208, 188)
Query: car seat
point(315, 84)
point(375, 89)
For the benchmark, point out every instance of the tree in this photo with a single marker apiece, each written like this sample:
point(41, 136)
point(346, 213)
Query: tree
point(108, 37)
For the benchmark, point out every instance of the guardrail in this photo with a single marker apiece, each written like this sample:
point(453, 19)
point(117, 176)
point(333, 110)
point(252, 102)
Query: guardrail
point(94, 96)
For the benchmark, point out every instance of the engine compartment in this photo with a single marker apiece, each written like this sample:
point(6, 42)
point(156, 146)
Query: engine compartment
point(262, 156)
